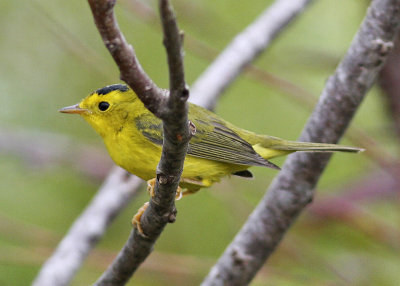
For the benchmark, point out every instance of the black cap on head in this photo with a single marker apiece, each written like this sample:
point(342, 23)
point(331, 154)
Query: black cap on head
point(109, 88)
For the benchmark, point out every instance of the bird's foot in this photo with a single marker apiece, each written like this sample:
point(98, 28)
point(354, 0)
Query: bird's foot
point(152, 183)
point(179, 194)
point(150, 186)
point(136, 219)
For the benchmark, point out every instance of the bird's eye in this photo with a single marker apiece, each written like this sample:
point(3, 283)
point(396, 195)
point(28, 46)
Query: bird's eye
point(103, 106)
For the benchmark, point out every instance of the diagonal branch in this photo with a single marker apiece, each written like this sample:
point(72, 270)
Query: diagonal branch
point(124, 56)
point(277, 25)
point(244, 48)
point(292, 189)
point(89, 228)
point(301, 96)
point(172, 110)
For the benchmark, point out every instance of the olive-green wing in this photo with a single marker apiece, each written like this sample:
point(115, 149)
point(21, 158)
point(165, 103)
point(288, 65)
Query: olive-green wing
point(213, 140)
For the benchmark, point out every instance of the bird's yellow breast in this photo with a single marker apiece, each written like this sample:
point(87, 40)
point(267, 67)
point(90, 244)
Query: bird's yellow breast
point(135, 153)
point(133, 136)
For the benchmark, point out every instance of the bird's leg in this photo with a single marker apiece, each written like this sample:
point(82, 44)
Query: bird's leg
point(136, 218)
point(152, 183)
point(150, 188)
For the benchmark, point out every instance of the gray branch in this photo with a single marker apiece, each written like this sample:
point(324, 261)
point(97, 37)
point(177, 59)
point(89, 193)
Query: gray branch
point(389, 81)
point(244, 48)
point(173, 112)
point(293, 189)
point(117, 190)
point(124, 56)
point(270, 27)
point(172, 109)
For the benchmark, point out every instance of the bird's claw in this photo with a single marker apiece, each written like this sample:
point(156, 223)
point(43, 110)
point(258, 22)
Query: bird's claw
point(136, 219)
point(150, 188)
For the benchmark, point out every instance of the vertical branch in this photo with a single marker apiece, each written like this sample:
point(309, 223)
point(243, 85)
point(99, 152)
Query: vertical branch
point(292, 189)
point(173, 39)
point(59, 271)
point(124, 56)
point(172, 110)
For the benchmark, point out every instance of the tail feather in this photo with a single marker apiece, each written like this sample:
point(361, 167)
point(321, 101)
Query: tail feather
point(269, 147)
point(316, 147)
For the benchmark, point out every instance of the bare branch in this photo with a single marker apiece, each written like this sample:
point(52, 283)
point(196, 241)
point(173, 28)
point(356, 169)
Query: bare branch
point(111, 34)
point(104, 214)
point(292, 189)
point(173, 112)
point(173, 44)
point(389, 80)
point(116, 192)
point(124, 55)
point(244, 49)
point(304, 98)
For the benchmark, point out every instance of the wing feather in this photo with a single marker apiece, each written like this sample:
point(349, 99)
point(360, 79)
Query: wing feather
point(213, 141)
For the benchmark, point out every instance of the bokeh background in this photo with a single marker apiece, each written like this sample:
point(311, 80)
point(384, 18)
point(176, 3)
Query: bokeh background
point(51, 164)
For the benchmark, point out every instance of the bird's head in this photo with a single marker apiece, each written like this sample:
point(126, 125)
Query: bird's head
point(107, 108)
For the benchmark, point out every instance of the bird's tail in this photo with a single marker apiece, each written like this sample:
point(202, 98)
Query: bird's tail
point(269, 147)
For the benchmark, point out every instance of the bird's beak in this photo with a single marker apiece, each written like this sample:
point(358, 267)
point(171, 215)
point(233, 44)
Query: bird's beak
point(73, 109)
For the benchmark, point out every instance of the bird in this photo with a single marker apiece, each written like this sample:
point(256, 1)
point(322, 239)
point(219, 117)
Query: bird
point(133, 137)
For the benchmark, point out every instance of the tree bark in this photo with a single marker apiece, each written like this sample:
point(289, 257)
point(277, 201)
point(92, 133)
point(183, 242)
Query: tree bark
point(293, 188)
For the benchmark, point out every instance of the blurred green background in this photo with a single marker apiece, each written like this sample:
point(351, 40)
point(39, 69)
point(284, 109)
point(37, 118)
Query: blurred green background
point(51, 56)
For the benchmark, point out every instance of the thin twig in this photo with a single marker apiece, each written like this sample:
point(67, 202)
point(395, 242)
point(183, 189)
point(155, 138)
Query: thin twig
point(244, 49)
point(172, 110)
point(118, 190)
point(292, 189)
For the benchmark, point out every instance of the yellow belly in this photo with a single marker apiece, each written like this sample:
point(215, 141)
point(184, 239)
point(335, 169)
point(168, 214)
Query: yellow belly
point(141, 158)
